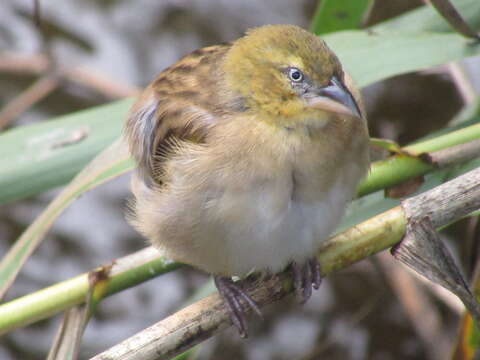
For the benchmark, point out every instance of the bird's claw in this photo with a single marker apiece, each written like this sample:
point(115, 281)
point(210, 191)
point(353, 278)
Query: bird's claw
point(232, 295)
point(305, 278)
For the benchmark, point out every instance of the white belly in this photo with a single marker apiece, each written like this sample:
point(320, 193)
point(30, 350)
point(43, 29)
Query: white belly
point(269, 237)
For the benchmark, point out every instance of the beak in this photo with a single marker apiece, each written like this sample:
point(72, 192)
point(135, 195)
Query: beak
point(335, 98)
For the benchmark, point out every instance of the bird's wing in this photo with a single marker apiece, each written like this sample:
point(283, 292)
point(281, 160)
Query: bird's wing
point(180, 105)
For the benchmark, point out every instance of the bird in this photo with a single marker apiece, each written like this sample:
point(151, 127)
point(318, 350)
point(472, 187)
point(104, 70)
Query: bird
point(247, 155)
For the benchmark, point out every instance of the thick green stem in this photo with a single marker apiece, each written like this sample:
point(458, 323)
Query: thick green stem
point(126, 272)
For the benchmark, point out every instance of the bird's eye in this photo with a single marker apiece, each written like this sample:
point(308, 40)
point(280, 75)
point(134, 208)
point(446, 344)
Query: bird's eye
point(295, 75)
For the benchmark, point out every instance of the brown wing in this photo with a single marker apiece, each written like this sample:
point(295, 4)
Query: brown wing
point(179, 105)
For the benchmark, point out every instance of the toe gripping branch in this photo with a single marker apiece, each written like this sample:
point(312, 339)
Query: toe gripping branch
point(305, 278)
point(238, 302)
point(233, 295)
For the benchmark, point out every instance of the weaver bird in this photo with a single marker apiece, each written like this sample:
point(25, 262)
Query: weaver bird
point(247, 155)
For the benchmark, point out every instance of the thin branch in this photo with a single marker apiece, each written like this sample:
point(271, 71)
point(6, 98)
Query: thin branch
point(23, 64)
point(447, 202)
point(40, 89)
point(203, 319)
point(101, 83)
point(455, 154)
point(414, 160)
point(418, 307)
point(52, 74)
point(454, 18)
point(39, 64)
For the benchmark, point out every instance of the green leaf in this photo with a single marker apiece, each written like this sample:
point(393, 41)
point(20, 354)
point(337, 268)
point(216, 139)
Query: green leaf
point(426, 18)
point(336, 15)
point(39, 157)
point(371, 56)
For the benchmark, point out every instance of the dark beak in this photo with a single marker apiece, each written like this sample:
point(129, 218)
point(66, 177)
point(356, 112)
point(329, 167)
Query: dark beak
point(336, 98)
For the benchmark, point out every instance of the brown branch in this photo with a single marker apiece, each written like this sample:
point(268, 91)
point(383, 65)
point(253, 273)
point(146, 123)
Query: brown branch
point(39, 64)
point(104, 85)
point(32, 95)
point(455, 154)
point(446, 9)
point(418, 307)
point(22, 64)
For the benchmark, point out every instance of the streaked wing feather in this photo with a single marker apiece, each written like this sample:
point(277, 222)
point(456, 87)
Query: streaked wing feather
point(174, 108)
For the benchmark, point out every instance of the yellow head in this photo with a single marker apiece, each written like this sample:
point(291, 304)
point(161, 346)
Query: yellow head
point(283, 71)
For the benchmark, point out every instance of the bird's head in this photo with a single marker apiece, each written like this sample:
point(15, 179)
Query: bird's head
point(288, 73)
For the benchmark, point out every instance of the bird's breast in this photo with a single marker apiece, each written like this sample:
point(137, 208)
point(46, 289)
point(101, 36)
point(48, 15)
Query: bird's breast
point(252, 200)
point(285, 193)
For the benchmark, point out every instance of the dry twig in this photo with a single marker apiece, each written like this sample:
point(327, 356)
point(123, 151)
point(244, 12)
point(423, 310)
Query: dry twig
point(38, 64)
point(418, 307)
point(25, 100)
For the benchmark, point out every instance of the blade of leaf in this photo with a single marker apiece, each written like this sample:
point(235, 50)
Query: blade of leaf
point(373, 56)
point(336, 15)
point(427, 19)
point(66, 344)
point(39, 157)
point(68, 337)
point(112, 162)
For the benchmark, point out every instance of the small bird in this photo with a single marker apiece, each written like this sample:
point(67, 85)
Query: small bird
point(247, 154)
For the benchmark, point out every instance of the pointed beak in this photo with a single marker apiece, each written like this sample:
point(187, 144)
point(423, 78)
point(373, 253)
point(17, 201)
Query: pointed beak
point(335, 98)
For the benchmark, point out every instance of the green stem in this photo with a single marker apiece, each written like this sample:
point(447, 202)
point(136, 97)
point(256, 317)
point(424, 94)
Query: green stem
point(43, 303)
point(400, 168)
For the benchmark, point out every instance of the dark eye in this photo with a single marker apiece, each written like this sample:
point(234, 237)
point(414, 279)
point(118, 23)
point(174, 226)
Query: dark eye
point(295, 75)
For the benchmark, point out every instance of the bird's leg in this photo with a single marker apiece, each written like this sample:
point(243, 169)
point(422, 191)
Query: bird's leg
point(232, 294)
point(306, 277)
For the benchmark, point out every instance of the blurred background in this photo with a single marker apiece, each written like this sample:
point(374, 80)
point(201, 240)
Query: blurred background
point(121, 45)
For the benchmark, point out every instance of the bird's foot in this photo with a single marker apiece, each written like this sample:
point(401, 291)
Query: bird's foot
point(305, 278)
point(232, 295)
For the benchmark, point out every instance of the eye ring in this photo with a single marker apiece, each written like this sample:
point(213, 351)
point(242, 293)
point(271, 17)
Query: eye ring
point(295, 74)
